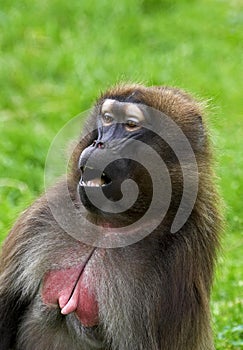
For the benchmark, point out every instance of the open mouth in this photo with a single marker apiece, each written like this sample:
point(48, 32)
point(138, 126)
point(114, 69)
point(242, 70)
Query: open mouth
point(91, 178)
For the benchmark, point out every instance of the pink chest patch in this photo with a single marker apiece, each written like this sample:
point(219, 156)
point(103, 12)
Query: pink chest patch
point(71, 290)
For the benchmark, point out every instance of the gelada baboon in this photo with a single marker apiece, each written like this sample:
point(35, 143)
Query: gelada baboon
point(142, 286)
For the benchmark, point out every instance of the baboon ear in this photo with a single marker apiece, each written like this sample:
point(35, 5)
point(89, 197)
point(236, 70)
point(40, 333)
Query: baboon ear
point(10, 312)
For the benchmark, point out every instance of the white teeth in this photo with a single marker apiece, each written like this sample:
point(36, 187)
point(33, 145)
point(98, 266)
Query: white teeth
point(93, 183)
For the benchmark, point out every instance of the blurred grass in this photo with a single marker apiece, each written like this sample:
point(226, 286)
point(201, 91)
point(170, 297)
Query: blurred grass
point(56, 56)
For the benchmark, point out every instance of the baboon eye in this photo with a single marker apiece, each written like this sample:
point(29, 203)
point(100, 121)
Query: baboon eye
point(107, 118)
point(132, 124)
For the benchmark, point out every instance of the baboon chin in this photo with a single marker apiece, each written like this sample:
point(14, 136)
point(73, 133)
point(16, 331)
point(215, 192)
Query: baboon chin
point(120, 253)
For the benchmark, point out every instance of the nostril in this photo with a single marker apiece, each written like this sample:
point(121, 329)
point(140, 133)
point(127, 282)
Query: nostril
point(100, 145)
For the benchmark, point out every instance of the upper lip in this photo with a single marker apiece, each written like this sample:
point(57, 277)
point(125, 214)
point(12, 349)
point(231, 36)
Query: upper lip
point(93, 177)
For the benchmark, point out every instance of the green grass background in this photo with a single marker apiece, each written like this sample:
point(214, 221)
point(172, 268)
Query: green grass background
point(56, 56)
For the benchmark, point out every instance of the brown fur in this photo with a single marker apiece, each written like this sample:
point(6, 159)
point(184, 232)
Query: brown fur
point(152, 295)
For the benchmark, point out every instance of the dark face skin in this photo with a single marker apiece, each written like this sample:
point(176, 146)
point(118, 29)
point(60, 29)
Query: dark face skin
point(117, 124)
